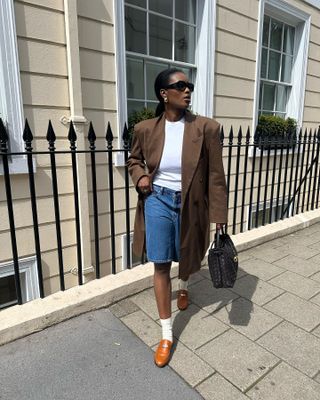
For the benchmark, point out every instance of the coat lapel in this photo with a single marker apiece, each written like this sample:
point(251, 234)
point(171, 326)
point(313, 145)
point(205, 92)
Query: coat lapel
point(191, 149)
point(156, 144)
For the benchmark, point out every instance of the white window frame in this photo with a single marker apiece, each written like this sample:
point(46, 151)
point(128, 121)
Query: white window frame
point(202, 98)
point(11, 106)
point(289, 14)
point(269, 204)
point(134, 260)
point(28, 277)
point(314, 3)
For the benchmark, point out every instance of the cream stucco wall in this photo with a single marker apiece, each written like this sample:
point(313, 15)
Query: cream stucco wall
point(42, 48)
point(44, 82)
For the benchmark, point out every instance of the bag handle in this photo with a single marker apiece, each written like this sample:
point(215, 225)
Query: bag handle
point(217, 238)
point(216, 241)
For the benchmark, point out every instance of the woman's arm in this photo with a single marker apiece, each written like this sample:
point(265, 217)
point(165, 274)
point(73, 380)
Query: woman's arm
point(136, 165)
point(218, 212)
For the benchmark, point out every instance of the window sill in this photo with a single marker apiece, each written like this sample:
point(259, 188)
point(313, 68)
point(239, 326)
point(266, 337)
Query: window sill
point(18, 165)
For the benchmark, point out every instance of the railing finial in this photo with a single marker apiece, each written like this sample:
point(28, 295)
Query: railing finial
point(92, 136)
point(51, 136)
point(109, 136)
point(3, 134)
point(27, 136)
point(125, 137)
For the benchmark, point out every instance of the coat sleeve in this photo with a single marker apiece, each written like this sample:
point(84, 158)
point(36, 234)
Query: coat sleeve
point(135, 163)
point(217, 192)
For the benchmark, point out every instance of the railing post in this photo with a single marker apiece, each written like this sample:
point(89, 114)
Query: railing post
point(125, 138)
point(4, 151)
point(92, 139)
point(28, 137)
point(239, 142)
point(247, 144)
point(51, 138)
point(109, 139)
point(72, 137)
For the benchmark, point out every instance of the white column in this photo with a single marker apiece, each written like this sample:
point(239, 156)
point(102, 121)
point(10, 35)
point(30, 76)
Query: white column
point(75, 94)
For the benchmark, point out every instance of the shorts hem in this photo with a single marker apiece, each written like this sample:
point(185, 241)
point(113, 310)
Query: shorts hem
point(160, 261)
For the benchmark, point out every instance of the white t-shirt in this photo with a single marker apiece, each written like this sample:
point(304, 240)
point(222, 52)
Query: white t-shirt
point(169, 172)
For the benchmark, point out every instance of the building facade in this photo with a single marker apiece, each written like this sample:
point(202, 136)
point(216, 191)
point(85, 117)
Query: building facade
point(96, 61)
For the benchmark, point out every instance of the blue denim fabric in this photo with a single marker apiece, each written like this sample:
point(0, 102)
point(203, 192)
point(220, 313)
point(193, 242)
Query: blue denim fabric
point(162, 219)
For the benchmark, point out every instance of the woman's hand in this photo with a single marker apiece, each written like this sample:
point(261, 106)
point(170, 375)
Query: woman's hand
point(144, 185)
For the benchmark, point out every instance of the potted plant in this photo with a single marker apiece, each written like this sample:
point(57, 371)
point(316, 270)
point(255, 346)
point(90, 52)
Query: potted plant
point(272, 130)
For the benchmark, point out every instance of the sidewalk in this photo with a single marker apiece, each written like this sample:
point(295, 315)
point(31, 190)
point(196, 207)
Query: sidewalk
point(259, 340)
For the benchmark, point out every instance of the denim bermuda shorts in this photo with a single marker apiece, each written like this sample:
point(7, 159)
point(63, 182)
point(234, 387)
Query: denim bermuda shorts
point(162, 220)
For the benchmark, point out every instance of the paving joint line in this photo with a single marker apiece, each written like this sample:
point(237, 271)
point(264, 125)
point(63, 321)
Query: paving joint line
point(223, 377)
point(220, 334)
point(287, 362)
point(262, 376)
point(271, 329)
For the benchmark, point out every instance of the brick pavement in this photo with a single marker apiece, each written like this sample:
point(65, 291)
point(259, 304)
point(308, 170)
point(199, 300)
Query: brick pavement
point(259, 340)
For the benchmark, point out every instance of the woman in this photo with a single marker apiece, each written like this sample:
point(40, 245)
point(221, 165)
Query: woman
point(176, 167)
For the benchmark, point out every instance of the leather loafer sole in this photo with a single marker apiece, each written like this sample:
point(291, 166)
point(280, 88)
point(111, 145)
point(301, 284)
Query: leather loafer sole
point(163, 353)
point(182, 299)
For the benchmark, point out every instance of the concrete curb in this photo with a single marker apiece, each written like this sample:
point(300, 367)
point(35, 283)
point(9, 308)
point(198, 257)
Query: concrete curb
point(20, 321)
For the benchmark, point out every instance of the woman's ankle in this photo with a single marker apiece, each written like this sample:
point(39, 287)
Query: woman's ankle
point(183, 285)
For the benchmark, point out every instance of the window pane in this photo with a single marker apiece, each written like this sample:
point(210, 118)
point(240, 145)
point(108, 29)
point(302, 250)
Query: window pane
point(135, 30)
point(7, 290)
point(268, 96)
point(288, 40)
point(265, 36)
point(286, 69)
point(135, 85)
point(264, 60)
point(184, 43)
point(276, 35)
point(140, 3)
point(274, 65)
point(186, 10)
point(152, 106)
point(187, 72)
point(281, 115)
point(134, 106)
point(160, 36)
point(161, 6)
point(281, 99)
point(153, 70)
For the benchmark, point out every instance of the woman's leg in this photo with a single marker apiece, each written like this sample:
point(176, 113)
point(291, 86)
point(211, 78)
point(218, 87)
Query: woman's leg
point(163, 289)
point(182, 294)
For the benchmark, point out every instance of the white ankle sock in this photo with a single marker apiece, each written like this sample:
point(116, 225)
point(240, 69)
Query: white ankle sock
point(166, 329)
point(183, 284)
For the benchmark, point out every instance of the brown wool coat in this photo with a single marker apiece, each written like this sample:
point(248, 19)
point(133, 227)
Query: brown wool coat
point(204, 193)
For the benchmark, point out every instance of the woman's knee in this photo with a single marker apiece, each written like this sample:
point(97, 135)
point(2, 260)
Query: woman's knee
point(163, 269)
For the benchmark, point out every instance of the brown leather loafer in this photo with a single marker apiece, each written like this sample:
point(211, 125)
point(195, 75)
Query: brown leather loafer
point(182, 299)
point(162, 354)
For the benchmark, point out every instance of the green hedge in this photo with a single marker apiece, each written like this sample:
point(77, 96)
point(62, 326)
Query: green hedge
point(272, 129)
point(137, 116)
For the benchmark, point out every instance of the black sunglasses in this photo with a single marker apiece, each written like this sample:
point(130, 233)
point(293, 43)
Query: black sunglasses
point(181, 85)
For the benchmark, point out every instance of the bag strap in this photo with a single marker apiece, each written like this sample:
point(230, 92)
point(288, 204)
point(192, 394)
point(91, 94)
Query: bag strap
point(216, 241)
point(217, 237)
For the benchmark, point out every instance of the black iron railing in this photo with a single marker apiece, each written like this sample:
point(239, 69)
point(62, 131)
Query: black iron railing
point(266, 181)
